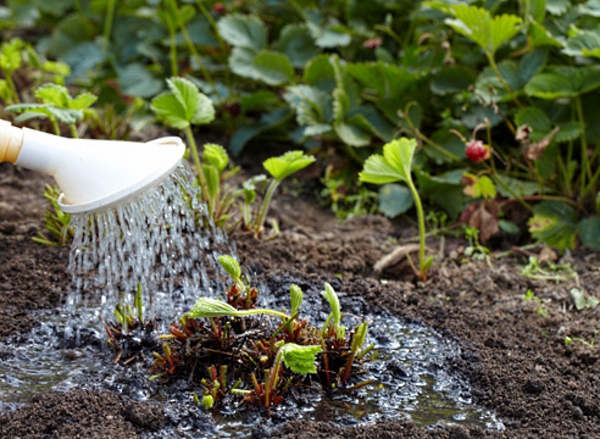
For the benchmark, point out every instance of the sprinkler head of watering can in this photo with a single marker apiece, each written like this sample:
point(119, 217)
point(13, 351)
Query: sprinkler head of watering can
point(94, 175)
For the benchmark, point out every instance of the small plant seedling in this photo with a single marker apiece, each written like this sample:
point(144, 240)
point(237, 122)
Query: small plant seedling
point(475, 249)
point(590, 344)
point(57, 105)
point(57, 222)
point(279, 168)
point(531, 297)
point(393, 166)
point(582, 300)
point(244, 357)
point(551, 271)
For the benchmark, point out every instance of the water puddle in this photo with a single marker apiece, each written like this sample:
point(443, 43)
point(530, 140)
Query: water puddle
point(165, 243)
point(411, 377)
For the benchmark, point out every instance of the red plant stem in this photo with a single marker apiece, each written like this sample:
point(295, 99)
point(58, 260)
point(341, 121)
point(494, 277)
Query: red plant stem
point(348, 368)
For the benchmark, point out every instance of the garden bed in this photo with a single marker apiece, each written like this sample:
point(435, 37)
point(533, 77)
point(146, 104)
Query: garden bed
point(513, 355)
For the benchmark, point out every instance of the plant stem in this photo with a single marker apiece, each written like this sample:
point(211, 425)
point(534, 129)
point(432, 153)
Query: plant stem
point(421, 217)
point(494, 66)
point(586, 170)
point(260, 220)
point(192, 48)
point(110, 14)
point(201, 178)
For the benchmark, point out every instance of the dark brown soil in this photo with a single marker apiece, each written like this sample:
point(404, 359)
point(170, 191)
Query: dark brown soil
point(515, 358)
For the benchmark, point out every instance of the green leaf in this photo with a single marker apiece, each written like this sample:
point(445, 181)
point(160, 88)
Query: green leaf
point(351, 134)
point(518, 187)
point(185, 105)
point(568, 131)
point(394, 165)
point(231, 266)
point(589, 232)
point(287, 164)
point(83, 101)
point(394, 199)
point(582, 300)
point(212, 178)
point(540, 36)
point(216, 156)
point(168, 109)
point(10, 55)
point(388, 81)
point(296, 296)
point(484, 187)
point(300, 359)
point(334, 303)
point(312, 106)
point(328, 36)
point(554, 223)
point(245, 31)
point(208, 307)
point(246, 133)
point(136, 79)
point(564, 81)
point(583, 43)
point(557, 7)
point(53, 94)
point(273, 68)
point(319, 72)
point(478, 25)
point(296, 42)
point(535, 118)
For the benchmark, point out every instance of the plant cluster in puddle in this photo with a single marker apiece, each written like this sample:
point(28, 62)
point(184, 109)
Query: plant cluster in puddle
point(229, 350)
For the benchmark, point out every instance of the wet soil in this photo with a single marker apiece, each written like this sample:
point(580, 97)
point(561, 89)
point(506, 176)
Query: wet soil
point(513, 354)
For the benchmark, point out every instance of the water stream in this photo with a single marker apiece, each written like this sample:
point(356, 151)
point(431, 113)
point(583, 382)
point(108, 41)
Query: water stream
point(165, 242)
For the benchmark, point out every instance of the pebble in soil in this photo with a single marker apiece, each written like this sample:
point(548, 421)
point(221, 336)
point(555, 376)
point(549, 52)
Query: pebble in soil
point(412, 377)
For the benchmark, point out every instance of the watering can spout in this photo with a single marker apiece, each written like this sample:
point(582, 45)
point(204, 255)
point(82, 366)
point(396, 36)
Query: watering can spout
point(94, 175)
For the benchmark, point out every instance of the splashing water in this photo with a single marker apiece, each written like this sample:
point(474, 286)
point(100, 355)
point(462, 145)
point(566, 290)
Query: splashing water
point(164, 241)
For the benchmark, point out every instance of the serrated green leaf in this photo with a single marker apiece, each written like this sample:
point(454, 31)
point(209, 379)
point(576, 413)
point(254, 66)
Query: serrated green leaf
point(564, 81)
point(319, 72)
point(287, 164)
point(328, 36)
point(208, 307)
point(388, 81)
point(394, 165)
point(568, 132)
point(341, 104)
point(245, 31)
point(535, 118)
point(521, 188)
point(241, 62)
point(351, 134)
point(484, 187)
point(296, 42)
point(300, 359)
point(368, 118)
point(312, 106)
point(136, 80)
point(589, 232)
point(168, 109)
point(554, 223)
point(540, 36)
point(83, 101)
point(583, 43)
point(273, 68)
point(186, 92)
point(557, 7)
point(10, 55)
point(478, 25)
point(394, 199)
point(216, 156)
point(53, 94)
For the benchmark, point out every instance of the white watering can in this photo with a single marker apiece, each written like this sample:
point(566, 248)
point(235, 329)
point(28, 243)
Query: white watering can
point(94, 175)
